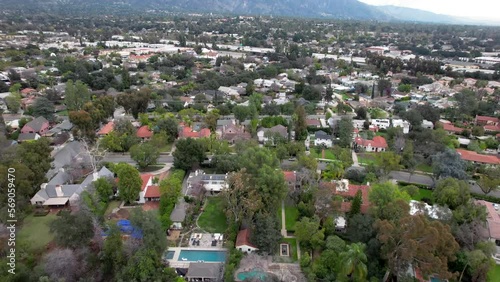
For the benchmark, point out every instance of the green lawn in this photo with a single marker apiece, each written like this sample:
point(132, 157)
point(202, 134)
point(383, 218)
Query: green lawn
point(293, 247)
point(291, 217)
point(36, 231)
point(365, 158)
point(112, 205)
point(494, 274)
point(328, 154)
point(425, 168)
point(166, 148)
point(213, 219)
point(423, 193)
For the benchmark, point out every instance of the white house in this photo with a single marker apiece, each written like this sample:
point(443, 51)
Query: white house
point(213, 183)
point(403, 124)
point(323, 139)
point(243, 243)
point(427, 124)
point(381, 123)
point(149, 192)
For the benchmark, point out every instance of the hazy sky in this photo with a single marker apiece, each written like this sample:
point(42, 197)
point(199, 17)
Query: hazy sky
point(480, 9)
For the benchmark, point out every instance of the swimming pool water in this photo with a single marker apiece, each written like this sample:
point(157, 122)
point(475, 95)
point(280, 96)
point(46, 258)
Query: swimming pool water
point(206, 256)
point(252, 274)
point(169, 255)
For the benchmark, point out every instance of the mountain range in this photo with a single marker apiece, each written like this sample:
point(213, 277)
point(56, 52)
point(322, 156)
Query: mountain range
point(324, 9)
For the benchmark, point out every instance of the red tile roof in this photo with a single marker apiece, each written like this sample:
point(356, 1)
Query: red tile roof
point(479, 158)
point(188, 132)
point(144, 132)
point(313, 122)
point(487, 119)
point(493, 219)
point(290, 176)
point(451, 128)
point(27, 90)
point(350, 193)
point(492, 127)
point(145, 178)
point(377, 142)
point(106, 129)
point(243, 238)
point(153, 192)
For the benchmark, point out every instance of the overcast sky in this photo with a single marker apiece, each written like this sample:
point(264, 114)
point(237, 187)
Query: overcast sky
point(479, 9)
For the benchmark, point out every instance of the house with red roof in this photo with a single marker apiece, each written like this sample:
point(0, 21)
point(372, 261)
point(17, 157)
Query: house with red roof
point(485, 120)
point(188, 132)
point(493, 221)
point(378, 144)
point(476, 158)
point(39, 125)
point(144, 133)
point(291, 180)
point(451, 129)
point(106, 129)
point(347, 191)
point(149, 192)
point(243, 242)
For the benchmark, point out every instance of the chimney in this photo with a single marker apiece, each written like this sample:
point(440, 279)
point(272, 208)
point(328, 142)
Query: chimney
point(43, 186)
point(59, 191)
point(95, 176)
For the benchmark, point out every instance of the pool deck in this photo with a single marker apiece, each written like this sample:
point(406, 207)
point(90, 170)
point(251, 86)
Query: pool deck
point(176, 263)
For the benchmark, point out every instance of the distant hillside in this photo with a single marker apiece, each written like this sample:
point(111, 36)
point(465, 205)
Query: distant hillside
point(416, 15)
point(335, 9)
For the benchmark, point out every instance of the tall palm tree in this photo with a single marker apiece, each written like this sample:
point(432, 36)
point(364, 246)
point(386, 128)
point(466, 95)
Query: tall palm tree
point(352, 263)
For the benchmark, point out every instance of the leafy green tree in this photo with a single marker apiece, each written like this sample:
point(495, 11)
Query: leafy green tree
point(333, 171)
point(168, 125)
point(300, 125)
point(129, 183)
point(103, 188)
point(135, 103)
point(73, 230)
point(387, 162)
point(384, 196)
point(267, 233)
point(113, 255)
point(13, 102)
point(76, 95)
point(352, 263)
point(241, 113)
point(144, 154)
point(211, 119)
point(344, 131)
point(307, 230)
point(43, 107)
point(153, 235)
point(356, 204)
point(36, 155)
point(189, 153)
point(490, 180)
point(451, 192)
point(406, 88)
point(112, 142)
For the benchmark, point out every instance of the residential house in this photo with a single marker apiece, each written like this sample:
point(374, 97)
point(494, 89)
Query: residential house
point(64, 126)
point(213, 183)
point(476, 158)
point(291, 180)
point(378, 144)
point(233, 133)
point(243, 242)
point(323, 139)
point(381, 123)
point(188, 132)
point(278, 129)
point(144, 133)
point(23, 137)
point(56, 193)
point(348, 191)
point(403, 124)
point(493, 225)
point(178, 214)
point(313, 123)
point(488, 123)
point(149, 192)
point(451, 129)
point(206, 272)
point(39, 125)
point(106, 129)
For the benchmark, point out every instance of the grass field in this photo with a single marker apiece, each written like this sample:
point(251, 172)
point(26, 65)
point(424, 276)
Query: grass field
point(423, 193)
point(112, 205)
point(425, 168)
point(365, 158)
point(494, 274)
point(291, 217)
point(36, 231)
point(328, 154)
point(213, 219)
point(293, 247)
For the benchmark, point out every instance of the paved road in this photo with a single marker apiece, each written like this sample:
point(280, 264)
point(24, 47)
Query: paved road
point(118, 157)
point(429, 181)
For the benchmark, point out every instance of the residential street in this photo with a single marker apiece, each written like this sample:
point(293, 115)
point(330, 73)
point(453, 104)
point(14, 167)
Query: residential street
point(119, 157)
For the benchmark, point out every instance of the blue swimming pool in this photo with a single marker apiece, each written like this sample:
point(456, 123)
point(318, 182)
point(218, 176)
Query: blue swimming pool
point(206, 256)
point(169, 255)
point(252, 274)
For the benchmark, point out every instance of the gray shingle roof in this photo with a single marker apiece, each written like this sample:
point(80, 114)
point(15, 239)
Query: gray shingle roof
point(37, 123)
point(204, 270)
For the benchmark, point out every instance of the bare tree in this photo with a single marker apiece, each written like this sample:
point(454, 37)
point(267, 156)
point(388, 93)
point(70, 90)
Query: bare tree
point(61, 264)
